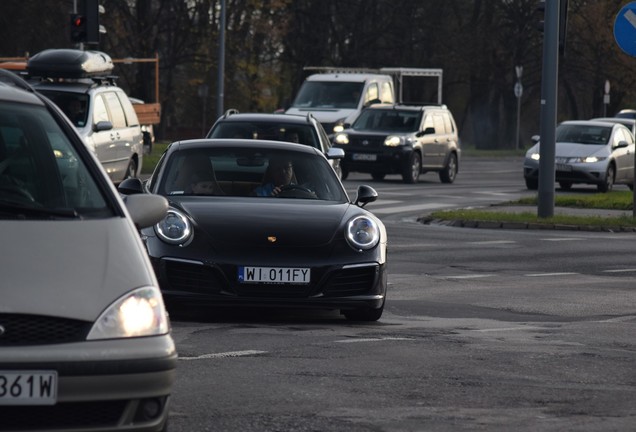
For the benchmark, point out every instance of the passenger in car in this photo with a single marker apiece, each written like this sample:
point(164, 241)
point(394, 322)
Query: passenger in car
point(203, 183)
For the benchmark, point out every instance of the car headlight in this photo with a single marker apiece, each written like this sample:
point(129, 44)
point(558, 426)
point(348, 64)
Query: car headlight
point(341, 139)
point(362, 233)
point(175, 228)
point(590, 159)
point(394, 141)
point(138, 313)
point(534, 156)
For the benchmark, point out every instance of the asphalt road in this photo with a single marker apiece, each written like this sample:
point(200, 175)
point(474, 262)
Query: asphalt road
point(492, 330)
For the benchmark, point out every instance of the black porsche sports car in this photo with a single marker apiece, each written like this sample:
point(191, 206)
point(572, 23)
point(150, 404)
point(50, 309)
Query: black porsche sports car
point(263, 223)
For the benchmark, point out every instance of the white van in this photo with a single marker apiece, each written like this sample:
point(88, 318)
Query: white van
point(337, 98)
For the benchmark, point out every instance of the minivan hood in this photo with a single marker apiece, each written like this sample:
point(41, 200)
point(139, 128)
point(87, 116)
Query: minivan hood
point(73, 269)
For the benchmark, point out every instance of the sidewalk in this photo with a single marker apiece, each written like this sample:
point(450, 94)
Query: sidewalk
point(572, 211)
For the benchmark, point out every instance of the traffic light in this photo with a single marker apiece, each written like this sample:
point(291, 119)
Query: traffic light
point(78, 28)
point(563, 20)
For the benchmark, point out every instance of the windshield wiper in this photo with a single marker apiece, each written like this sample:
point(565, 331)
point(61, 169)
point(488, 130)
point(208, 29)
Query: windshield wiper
point(17, 211)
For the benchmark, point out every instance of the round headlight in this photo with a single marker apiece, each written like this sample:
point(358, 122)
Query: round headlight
point(175, 228)
point(342, 139)
point(362, 233)
point(394, 141)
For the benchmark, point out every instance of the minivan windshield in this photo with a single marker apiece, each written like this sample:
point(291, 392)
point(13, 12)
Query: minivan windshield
point(41, 173)
point(328, 94)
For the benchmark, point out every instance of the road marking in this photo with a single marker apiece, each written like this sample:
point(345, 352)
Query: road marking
point(550, 274)
point(563, 239)
point(619, 270)
point(486, 242)
point(509, 329)
point(474, 276)
point(430, 206)
point(374, 339)
point(225, 354)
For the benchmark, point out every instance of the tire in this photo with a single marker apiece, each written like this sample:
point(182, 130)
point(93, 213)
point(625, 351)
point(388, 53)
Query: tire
point(378, 176)
point(565, 185)
point(412, 169)
point(608, 184)
point(365, 314)
point(449, 173)
point(532, 184)
point(131, 171)
point(344, 173)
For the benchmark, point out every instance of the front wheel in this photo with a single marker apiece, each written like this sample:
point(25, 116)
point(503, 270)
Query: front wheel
point(344, 173)
point(131, 171)
point(378, 176)
point(412, 169)
point(449, 173)
point(532, 184)
point(608, 184)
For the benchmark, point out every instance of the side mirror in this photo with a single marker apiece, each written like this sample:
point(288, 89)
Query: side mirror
point(335, 153)
point(102, 126)
point(621, 144)
point(535, 139)
point(366, 194)
point(146, 209)
point(427, 131)
point(131, 186)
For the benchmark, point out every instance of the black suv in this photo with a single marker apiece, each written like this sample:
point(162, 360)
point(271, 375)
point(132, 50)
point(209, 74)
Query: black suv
point(302, 129)
point(401, 139)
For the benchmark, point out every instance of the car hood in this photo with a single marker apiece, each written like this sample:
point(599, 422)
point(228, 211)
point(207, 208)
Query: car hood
point(564, 149)
point(71, 269)
point(252, 222)
point(326, 115)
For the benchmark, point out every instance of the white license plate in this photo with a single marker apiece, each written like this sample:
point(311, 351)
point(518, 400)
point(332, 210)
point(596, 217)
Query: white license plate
point(28, 387)
point(364, 157)
point(563, 167)
point(281, 275)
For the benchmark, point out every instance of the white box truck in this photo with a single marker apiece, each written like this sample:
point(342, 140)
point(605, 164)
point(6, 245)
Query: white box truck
point(335, 96)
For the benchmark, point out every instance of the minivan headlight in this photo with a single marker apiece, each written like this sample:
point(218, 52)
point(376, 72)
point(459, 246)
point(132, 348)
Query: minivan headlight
point(137, 313)
point(362, 233)
point(175, 228)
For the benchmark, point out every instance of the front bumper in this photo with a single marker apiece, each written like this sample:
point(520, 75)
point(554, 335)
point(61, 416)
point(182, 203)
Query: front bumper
point(589, 173)
point(389, 160)
point(344, 287)
point(118, 385)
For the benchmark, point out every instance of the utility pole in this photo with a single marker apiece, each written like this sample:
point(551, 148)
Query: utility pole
point(549, 87)
point(221, 71)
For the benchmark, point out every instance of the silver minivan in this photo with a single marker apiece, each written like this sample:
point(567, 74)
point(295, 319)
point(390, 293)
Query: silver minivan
point(85, 340)
point(100, 110)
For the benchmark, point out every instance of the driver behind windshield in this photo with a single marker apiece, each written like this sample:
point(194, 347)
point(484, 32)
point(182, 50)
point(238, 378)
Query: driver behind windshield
point(279, 173)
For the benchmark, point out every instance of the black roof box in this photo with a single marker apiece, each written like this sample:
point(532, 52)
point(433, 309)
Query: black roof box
point(69, 63)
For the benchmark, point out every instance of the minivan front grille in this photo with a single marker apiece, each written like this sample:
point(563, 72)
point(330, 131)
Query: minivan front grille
point(22, 329)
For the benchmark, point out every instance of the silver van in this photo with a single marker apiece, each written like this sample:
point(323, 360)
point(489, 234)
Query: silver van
point(85, 340)
point(79, 83)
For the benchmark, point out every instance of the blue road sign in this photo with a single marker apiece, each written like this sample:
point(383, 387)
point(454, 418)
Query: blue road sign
point(625, 28)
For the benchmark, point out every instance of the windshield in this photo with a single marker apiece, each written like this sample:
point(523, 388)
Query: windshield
point(74, 105)
point(275, 131)
point(249, 172)
point(583, 134)
point(41, 174)
point(327, 94)
point(388, 121)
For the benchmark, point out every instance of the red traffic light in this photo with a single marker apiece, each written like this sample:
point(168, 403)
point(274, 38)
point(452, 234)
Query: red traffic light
point(78, 21)
point(78, 28)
